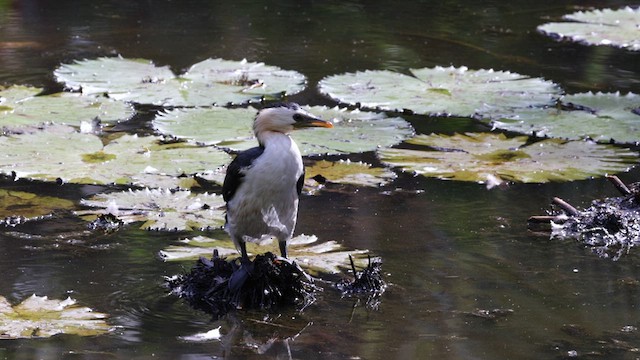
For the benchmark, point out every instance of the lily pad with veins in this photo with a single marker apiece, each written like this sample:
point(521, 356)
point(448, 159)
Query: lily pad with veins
point(599, 27)
point(441, 91)
point(40, 317)
point(82, 158)
point(601, 117)
point(353, 132)
point(209, 126)
point(212, 81)
point(347, 172)
point(159, 209)
point(487, 156)
point(22, 106)
point(312, 254)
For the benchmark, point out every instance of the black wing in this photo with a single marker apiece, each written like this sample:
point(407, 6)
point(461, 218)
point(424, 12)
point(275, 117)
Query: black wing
point(300, 183)
point(233, 179)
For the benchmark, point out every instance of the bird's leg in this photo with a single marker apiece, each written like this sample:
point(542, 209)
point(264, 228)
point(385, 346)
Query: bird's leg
point(240, 275)
point(283, 248)
point(243, 252)
point(245, 262)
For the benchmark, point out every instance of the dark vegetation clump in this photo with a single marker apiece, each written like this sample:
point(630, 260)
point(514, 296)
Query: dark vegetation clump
point(611, 227)
point(367, 283)
point(106, 222)
point(13, 220)
point(273, 282)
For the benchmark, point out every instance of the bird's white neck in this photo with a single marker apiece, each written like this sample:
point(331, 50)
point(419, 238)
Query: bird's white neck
point(273, 138)
point(280, 146)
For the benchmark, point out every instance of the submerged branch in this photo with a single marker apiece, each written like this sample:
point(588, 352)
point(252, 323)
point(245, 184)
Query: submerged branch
point(540, 219)
point(568, 208)
point(622, 187)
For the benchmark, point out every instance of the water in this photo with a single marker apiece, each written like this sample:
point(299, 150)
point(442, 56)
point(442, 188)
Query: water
point(449, 249)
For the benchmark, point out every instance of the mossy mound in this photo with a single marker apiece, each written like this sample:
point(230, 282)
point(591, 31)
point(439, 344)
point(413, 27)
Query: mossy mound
point(273, 282)
point(367, 283)
point(610, 227)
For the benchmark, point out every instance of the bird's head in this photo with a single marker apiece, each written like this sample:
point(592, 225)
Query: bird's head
point(284, 118)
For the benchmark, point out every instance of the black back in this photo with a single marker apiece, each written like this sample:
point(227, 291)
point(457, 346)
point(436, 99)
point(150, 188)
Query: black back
point(233, 179)
point(300, 182)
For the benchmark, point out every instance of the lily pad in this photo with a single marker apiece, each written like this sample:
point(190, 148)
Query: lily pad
point(599, 27)
point(353, 132)
point(441, 91)
point(160, 209)
point(208, 126)
point(82, 158)
point(213, 334)
point(21, 106)
point(347, 172)
point(39, 317)
point(601, 117)
point(19, 206)
point(310, 253)
point(489, 156)
point(251, 79)
point(212, 81)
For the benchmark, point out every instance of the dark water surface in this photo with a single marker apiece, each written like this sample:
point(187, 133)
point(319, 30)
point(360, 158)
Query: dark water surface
point(449, 249)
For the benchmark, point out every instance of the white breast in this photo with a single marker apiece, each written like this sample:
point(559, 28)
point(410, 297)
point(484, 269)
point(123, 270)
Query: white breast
point(266, 203)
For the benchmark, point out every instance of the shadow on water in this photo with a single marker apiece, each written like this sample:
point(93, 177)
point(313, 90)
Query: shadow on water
point(468, 280)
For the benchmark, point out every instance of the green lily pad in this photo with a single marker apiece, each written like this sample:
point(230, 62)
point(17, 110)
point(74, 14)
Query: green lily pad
point(212, 81)
point(160, 209)
point(489, 157)
point(601, 117)
point(252, 79)
point(599, 27)
point(21, 106)
point(441, 91)
point(82, 158)
point(347, 172)
point(40, 317)
point(208, 126)
point(18, 206)
point(353, 132)
point(312, 254)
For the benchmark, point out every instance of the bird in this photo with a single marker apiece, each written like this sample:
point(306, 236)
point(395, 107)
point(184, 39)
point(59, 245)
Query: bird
point(263, 184)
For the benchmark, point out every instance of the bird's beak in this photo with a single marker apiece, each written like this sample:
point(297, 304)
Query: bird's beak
point(310, 121)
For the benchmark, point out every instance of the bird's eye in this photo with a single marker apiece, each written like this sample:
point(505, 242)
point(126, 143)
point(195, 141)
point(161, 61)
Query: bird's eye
point(297, 117)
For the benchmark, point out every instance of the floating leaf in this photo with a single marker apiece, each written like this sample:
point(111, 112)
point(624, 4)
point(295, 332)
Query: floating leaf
point(599, 27)
point(161, 209)
point(212, 81)
point(20, 106)
point(213, 334)
point(18, 206)
point(353, 132)
point(306, 250)
point(441, 91)
point(82, 158)
point(114, 75)
point(193, 248)
point(251, 79)
point(601, 117)
point(347, 172)
point(478, 157)
point(209, 126)
point(38, 317)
